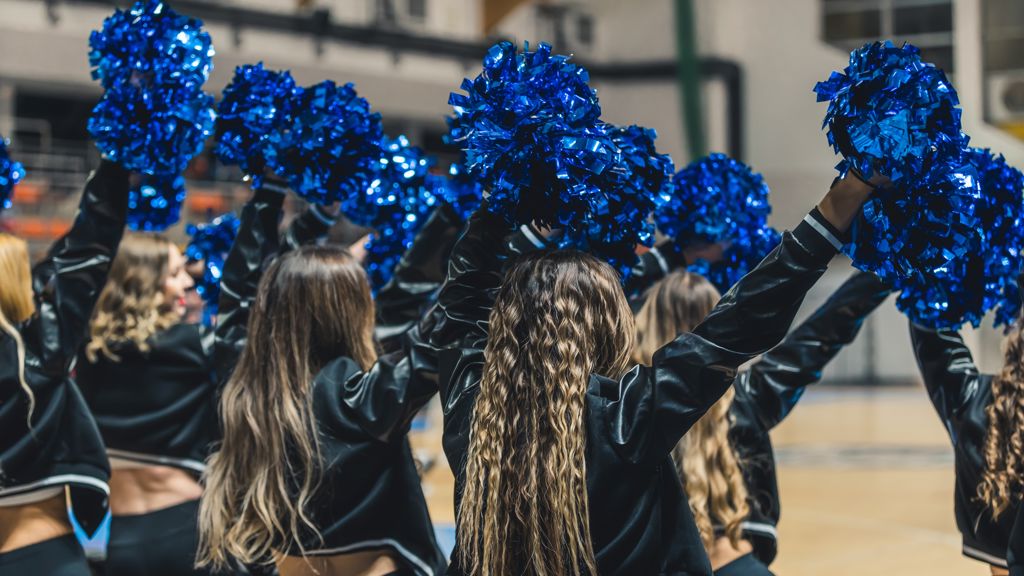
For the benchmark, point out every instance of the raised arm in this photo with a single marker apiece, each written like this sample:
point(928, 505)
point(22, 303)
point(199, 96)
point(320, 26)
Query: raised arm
point(417, 277)
point(69, 280)
point(306, 228)
point(652, 266)
point(947, 368)
point(775, 383)
point(459, 320)
point(256, 241)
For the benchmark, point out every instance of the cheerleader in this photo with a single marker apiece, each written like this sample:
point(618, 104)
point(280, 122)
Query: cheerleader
point(726, 461)
point(315, 472)
point(561, 448)
point(50, 450)
point(148, 379)
point(983, 416)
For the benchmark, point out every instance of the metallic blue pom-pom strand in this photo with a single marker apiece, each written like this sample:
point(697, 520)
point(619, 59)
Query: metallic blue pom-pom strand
point(150, 43)
point(715, 199)
point(396, 206)
point(459, 189)
point(889, 111)
point(741, 256)
point(211, 243)
point(981, 275)
point(255, 104)
point(329, 147)
point(155, 204)
point(153, 117)
point(11, 173)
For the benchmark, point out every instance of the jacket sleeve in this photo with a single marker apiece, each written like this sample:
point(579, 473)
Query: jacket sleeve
point(257, 240)
point(1015, 553)
point(775, 383)
point(947, 369)
point(67, 283)
point(653, 406)
point(416, 279)
point(652, 266)
point(307, 228)
point(459, 319)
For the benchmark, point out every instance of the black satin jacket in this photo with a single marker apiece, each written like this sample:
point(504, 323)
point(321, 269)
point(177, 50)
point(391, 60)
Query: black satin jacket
point(639, 518)
point(159, 406)
point(960, 395)
point(369, 496)
point(1015, 554)
point(63, 445)
point(768, 391)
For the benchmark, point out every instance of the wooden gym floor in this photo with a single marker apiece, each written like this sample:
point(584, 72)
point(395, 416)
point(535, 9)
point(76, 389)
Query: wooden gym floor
point(866, 480)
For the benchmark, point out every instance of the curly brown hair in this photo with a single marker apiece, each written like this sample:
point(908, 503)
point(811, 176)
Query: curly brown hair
point(558, 318)
point(1002, 480)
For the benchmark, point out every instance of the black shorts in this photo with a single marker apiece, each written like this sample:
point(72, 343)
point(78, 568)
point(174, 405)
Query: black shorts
point(57, 557)
point(161, 543)
point(746, 565)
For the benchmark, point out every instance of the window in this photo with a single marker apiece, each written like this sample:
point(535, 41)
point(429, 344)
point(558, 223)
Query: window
point(1002, 40)
point(927, 24)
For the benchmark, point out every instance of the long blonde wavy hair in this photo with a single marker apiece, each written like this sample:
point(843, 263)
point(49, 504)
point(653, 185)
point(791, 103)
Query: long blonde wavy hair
point(1002, 480)
point(705, 457)
point(313, 305)
point(131, 307)
point(16, 303)
point(558, 318)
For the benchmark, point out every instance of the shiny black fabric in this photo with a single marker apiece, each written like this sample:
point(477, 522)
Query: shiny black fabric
point(960, 395)
point(63, 445)
point(159, 406)
point(768, 391)
point(639, 518)
point(369, 496)
point(1015, 553)
point(61, 556)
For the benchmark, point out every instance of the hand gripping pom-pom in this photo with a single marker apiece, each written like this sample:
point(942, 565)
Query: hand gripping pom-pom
point(329, 147)
point(255, 105)
point(984, 276)
point(151, 135)
point(902, 232)
point(151, 45)
point(889, 111)
point(396, 206)
point(11, 173)
point(155, 204)
point(210, 244)
point(715, 199)
point(742, 255)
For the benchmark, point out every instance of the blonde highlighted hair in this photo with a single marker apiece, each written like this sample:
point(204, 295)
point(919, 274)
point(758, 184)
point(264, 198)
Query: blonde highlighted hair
point(312, 306)
point(705, 458)
point(558, 318)
point(16, 302)
point(1001, 480)
point(131, 307)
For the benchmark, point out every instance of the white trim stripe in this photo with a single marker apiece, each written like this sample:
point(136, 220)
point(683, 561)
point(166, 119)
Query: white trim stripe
point(160, 460)
point(661, 260)
point(55, 480)
point(367, 544)
point(325, 218)
point(984, 556)
point(760, 528)
point(533, 238)
point(820, 228)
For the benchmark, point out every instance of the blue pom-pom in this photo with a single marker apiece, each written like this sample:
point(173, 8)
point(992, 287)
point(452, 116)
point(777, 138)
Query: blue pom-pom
point(901, 232)
point(11, 173)
point(889, 111)
point(211, 243)
point(395, 206)
point(742, 255)
point(530, 128)
point(150, 43)
point(153, 117)
point(984, 275)
point(459, 189)
point(329, 147)
point(715, 199)
point(155, 204)
point(149, 134)
point(256, 104)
